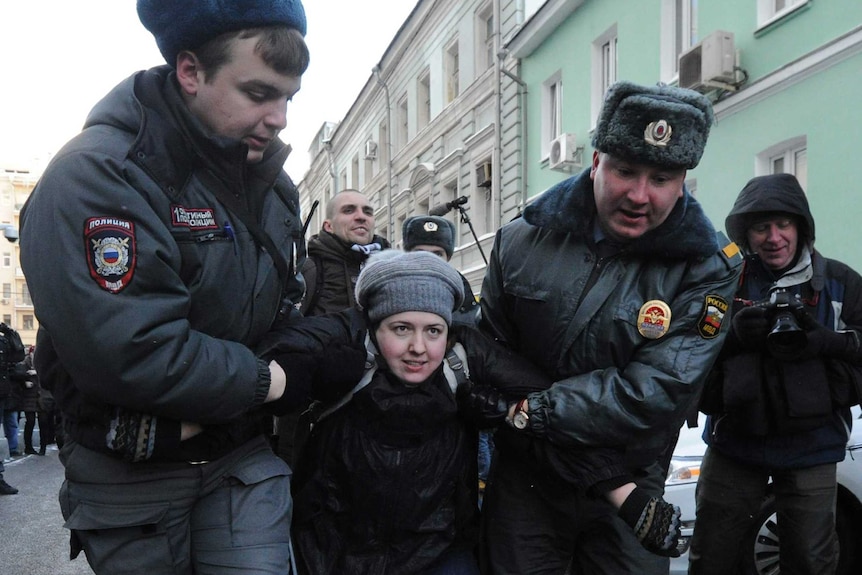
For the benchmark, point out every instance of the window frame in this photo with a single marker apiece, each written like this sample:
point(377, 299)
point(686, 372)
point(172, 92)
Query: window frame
point(600, 80)
point(552, 111)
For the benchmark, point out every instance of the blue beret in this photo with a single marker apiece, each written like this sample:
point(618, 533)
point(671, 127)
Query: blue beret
point(186, 24)
point(661, 125)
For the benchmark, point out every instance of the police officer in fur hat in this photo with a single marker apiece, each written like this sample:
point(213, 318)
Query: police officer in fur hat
point(436, 234)
point(191, 238)
point(614, 283)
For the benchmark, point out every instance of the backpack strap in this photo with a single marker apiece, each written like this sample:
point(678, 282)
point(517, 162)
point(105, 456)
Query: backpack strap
point(312, 292)
point(455, 367)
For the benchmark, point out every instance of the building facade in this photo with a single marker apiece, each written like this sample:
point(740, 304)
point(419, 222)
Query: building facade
point(426, 130)
point(16, 306)
point(783, 76)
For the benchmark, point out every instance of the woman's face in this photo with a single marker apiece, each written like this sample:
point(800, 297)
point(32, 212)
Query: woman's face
point(413, 344)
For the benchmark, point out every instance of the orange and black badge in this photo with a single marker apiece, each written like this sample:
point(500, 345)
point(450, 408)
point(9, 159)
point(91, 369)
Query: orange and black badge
point(111, 255)
point(654, 319)
point(714, 309)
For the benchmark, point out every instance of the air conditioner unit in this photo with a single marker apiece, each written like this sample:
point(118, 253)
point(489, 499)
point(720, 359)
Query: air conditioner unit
point(370, 150)
point(564, 153)
point(709, 64)
point(483, 175)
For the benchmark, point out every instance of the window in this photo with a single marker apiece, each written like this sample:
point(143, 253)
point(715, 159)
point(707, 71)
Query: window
point(604, 68)
point(27, 322)
point(679, 33)
point(7, 259)
point(7, 291)
point(485, 38)
point(403, 120)
point(768, 11)
point(7, 319)
point(788, 157)
point(25, 294)
point(423, 98)
point(354, 172)
point(453, 65)
point(552, 111)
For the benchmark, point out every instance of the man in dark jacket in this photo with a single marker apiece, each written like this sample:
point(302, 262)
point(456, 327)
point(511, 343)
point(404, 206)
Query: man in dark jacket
point(159, 247)
point(7, 361)
point(615, 284)
point(778, 400)
point(337, 253)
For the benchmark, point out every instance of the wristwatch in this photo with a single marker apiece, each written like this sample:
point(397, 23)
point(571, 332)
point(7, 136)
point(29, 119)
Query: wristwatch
point(521, 418)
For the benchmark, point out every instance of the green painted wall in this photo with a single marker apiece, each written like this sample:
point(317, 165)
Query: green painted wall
point(825, 106)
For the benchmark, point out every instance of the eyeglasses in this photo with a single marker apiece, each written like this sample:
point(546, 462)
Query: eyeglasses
point(764, 226)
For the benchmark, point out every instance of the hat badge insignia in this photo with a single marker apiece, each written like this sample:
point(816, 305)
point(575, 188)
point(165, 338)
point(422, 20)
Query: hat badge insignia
point(430, 227)
point(658, 133)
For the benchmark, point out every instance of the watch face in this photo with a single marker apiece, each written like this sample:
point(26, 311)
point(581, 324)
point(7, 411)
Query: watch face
point(519, 421)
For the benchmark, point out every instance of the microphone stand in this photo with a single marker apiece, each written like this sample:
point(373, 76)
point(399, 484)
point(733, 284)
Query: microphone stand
point(465, 219)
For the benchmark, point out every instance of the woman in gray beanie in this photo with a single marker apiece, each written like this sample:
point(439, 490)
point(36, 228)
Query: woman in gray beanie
point(386, 482)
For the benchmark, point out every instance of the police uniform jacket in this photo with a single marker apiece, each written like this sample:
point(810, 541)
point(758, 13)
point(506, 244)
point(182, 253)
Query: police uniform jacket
point(149, 291)
point(629, 354)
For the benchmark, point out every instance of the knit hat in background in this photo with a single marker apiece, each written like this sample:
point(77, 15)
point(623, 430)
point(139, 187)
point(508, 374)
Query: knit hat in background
point(431, 231)
point(393, 281)
point(186, 24)
point(660, 125)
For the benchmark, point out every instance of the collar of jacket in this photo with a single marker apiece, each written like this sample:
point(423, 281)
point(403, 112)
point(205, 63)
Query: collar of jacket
point(171, 143)
point(327, 244)
point(570, 206)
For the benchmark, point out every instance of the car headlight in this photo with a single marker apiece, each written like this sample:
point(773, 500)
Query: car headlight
point(683, 469)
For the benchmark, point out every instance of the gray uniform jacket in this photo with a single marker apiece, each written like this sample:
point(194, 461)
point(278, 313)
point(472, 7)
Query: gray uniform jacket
point(149, 291)
point(628, 356)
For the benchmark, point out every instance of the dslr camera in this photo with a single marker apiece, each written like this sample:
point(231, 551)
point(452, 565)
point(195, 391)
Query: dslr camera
point(785, 336)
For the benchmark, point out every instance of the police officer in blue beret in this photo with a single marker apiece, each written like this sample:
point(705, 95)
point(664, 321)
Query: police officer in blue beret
point(160, 245)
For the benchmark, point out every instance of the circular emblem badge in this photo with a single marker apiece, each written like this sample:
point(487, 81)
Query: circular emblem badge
point(430, 226)
point(654, 319)
point(658, 133)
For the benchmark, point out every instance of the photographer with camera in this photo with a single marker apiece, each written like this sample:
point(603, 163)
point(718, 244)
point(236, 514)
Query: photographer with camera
point(778, 398)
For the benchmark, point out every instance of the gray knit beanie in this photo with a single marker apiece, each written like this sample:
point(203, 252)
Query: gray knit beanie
point(393, 281)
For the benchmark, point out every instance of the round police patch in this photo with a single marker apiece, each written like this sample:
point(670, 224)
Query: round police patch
point(654, 319)
point(110, 249)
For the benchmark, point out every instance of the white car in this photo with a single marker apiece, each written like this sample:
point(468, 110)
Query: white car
point(762, 542)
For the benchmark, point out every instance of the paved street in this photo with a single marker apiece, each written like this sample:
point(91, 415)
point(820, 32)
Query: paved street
point(32, 538)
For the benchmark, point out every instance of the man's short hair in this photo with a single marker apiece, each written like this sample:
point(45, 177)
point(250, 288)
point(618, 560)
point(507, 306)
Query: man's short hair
point(659, 125)
point(187, 24)
point(282, 49)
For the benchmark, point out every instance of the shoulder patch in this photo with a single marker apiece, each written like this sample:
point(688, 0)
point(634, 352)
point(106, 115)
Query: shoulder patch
point(711, 316)
point(111, 253)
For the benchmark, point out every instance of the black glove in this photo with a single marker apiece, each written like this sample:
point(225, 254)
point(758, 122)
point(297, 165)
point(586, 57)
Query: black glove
point(751, 326)
point(482, 404)
point(823, 342)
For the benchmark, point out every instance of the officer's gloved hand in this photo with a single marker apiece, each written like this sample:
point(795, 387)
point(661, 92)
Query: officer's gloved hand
point(339, 368)
point(823, 342)
point(482, 404)
point(751, 326)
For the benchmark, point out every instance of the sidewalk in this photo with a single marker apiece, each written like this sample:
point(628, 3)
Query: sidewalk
point(33, 540)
